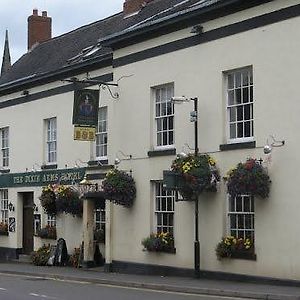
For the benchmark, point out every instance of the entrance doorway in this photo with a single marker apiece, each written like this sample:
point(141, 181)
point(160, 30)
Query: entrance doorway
point(28, 223)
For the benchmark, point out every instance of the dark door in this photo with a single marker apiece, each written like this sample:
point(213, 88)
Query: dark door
point(27, 223)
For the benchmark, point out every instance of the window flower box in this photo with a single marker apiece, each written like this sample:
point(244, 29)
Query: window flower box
point(233, 247)
point(3, 229)
point(159, 242)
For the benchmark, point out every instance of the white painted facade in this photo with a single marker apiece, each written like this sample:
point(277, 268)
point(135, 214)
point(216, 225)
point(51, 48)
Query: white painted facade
point(271, 52)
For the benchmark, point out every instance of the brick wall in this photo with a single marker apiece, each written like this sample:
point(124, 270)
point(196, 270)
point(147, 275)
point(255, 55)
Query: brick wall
point(39, 28)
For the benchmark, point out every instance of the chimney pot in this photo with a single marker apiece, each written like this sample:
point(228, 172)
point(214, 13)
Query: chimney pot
point(44, 13)
point(35, 12)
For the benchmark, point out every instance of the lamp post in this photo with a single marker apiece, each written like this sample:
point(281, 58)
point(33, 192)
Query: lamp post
point(194, 119)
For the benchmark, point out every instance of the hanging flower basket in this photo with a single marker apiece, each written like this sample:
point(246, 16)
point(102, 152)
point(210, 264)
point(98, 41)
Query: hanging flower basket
point(195, 174)
point(47, 199)
point(249, 178)
point(232, 247)
point(159, 242)
point(119, 187)
point(68, 201)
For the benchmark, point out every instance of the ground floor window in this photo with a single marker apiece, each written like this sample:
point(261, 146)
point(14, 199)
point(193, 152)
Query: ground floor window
point(164, 209)
point(100, 219)
point(4, 206)
point(241, 216)
point(99, 232)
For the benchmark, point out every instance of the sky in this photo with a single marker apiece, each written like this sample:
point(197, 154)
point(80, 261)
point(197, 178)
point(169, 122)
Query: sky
point(66, 16)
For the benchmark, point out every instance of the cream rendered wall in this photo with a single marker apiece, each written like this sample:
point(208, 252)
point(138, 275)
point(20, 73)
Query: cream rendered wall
point(27, 149)
point(198, 71)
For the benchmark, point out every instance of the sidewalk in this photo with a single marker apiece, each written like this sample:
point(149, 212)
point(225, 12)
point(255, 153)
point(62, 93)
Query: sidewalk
point(172, 284)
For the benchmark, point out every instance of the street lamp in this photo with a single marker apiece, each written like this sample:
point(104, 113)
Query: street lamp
point(194, 119)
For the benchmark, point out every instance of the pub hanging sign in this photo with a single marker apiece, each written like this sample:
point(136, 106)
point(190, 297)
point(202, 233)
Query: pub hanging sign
point(85, 109)
point(84, 133)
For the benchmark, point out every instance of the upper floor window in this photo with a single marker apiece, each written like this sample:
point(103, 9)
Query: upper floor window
point(164, 115)
point(241, 216)
point(101, 135)
point(5, 146)
point(4, 206)
point(51, 140)
point(164, 209)
point(240, 105)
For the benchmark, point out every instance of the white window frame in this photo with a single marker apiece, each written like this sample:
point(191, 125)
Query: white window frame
point(5, 147)
point(51, 140)
point(164, 209)
point(241, 217)
point(162, 100)
point(102, 134)
point(4, 206)
point(239, 86)
point(100, 221)
point(51, 220)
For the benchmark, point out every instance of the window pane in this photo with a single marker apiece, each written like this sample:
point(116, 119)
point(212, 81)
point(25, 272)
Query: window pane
point(231, 98)
point(245, 95)
point(238, 80)
point(247, 127)
point(240, 130)
point(238, 96)
point(232, 114)
point(232, 131)
point(230, 81)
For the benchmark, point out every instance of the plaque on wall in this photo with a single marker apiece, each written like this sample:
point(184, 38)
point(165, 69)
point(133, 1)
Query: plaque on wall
point(12, 224)
point(37, 223)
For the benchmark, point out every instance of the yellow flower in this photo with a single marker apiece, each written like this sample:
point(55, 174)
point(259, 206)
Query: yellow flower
point(212, 161)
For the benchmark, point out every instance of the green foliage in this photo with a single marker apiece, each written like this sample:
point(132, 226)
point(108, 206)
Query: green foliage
point(41, 256)
point(75, 257)
point(249, 178)
point(68, 201)
point(198, 174)
point(119, 187)
point(47, 199)
point(160, 242)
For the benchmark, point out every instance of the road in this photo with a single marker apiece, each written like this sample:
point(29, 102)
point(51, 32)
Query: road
point(19, 287)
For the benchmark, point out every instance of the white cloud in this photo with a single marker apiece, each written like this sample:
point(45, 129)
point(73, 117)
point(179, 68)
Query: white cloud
point(66, 16)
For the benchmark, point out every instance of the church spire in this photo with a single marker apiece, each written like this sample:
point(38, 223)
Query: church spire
point(6, 62)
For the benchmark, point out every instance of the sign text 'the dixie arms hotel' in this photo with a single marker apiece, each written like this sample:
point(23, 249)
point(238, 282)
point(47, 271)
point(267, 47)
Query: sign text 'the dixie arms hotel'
point(42, 178)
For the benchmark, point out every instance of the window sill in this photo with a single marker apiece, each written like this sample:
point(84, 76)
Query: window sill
point(162, 152)
point(49, 167)
point(243, 255)
point(4, 171)
point(99, 162)
point(171, 251)
point(237, 146)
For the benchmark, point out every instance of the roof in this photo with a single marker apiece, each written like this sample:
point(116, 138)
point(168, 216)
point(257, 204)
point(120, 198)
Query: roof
point(85, 46)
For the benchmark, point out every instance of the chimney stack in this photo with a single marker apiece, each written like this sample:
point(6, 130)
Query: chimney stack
point(39, 28)
point(131, 7)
